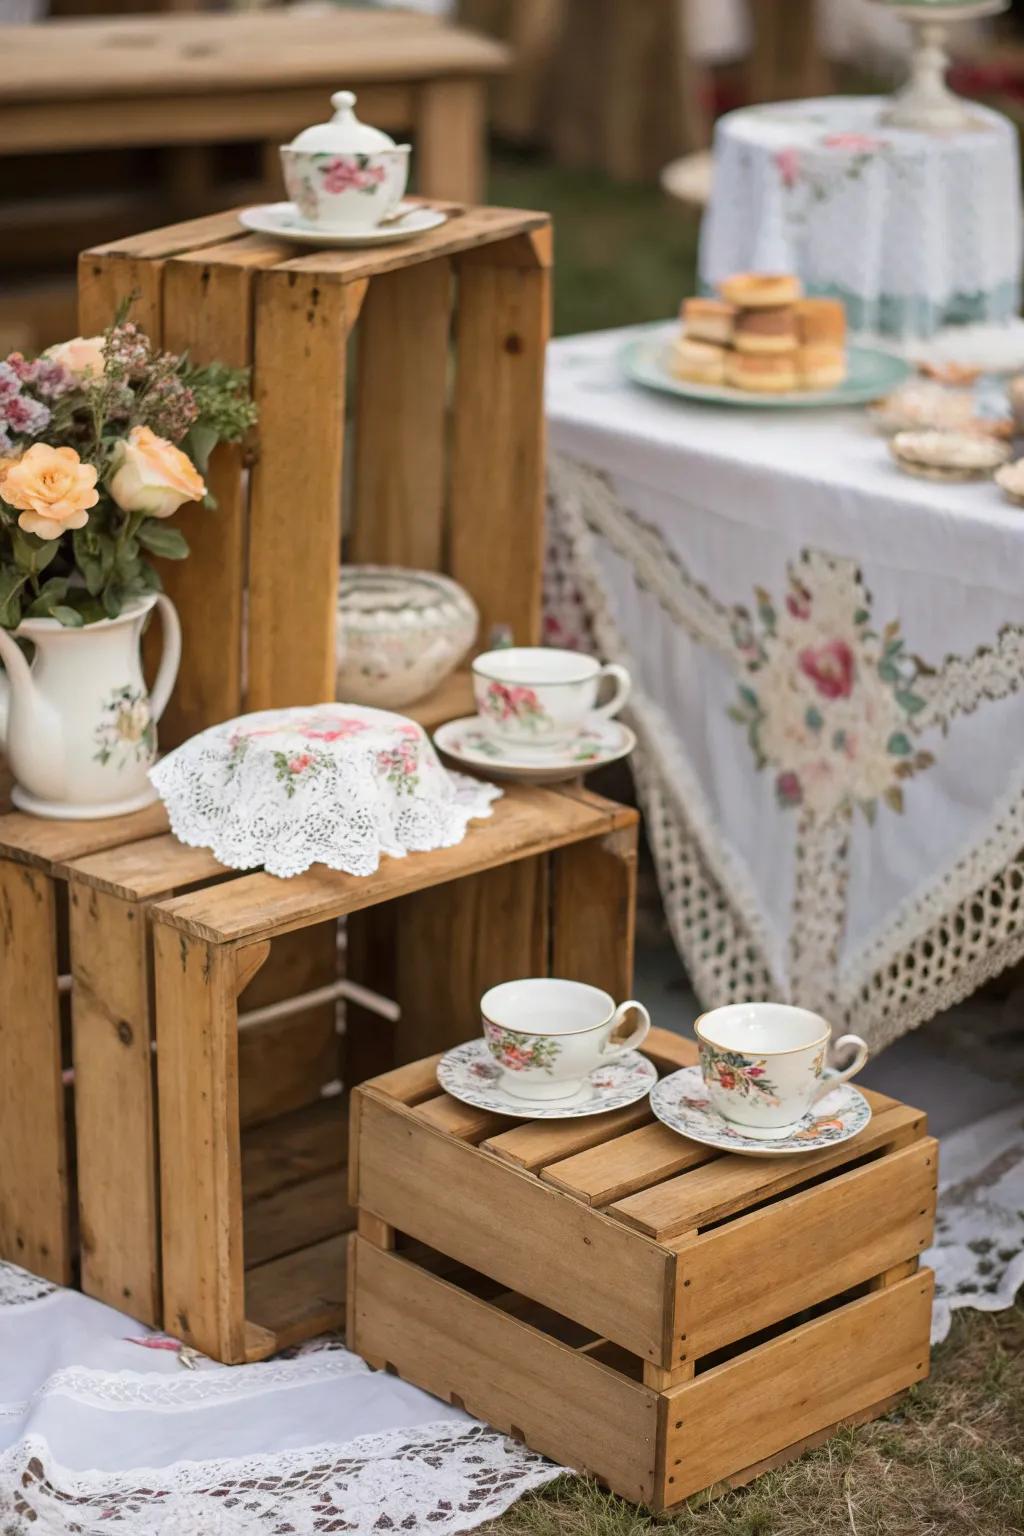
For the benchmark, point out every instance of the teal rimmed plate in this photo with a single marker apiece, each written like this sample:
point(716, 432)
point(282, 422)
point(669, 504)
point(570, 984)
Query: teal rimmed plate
point(645, 360)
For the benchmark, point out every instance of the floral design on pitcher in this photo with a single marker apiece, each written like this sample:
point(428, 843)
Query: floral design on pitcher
point(502, 702)
point(733, 1072)
point(830, 702)
point(517, 1052)
point(125, 733)
point(351, 173)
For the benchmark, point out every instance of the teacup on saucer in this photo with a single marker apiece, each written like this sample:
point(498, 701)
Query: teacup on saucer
point(539, 696)
point(548, 1035)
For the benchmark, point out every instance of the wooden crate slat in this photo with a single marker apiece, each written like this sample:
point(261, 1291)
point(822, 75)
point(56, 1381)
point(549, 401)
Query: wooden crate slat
point(200, 1184)
point(297, 1217)
point(462, 1120)
point(172, 239)
point(466, 229)
point(299, 1295)
point(34, 1207)
point(48, 844)
point(730, 1184)
point(455, 942)
point(398, 516)
point(118, 1200)
point(833, 1366)
point(524, 1234)
point(527, 820)
point(613, 1170)
point(294, 1148)
point(593, 893)
point(138, 871)
point(285, 1063)
point(301, 330)
point(817, 1244)
point(522, 1381)
point(497, 481)
point(531, 1146)
point(410, 1084)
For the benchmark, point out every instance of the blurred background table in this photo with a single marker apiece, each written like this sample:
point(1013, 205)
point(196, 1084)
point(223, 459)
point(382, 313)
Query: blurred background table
point(828, 665)
point(937, 217)
point(111, 126)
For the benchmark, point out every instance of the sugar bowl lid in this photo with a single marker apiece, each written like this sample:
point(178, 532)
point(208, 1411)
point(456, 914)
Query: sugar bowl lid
point(344, 134)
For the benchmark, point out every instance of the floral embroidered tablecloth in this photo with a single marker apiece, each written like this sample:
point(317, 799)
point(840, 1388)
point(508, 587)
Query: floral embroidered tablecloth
point(912, 230)
point(828, 663)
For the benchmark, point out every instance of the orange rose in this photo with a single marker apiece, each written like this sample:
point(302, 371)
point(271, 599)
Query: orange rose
point(83, 356)
point(150, 475)
point(52, 489)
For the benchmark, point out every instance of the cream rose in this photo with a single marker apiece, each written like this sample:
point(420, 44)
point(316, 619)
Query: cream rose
point(51, 488)
point(82, 356)
point(151, 476)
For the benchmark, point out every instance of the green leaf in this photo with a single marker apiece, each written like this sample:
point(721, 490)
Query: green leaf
point(911, 702)
point(749, 697)
point(69, 617)
point(200, 441)
point(112, 599)
point(52, 593)
point(813, 719)
point(11, 583)
point(887, 672)
point(168, 543)
point(869, 809)
point(894, 798)
point(861, 616)
point(899, 745)
point(32, 553)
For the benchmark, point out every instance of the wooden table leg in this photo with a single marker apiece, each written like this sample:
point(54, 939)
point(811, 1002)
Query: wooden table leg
point(451, 152)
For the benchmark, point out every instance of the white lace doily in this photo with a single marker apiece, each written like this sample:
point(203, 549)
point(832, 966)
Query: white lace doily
point(334, 784)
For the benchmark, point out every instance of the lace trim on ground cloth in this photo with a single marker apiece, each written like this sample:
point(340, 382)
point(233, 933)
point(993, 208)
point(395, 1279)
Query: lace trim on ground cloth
point(938, 946)
point(439, 1477)
point(18, 1288)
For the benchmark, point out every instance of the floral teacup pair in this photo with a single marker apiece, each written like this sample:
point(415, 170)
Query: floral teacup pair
point(763, 1065)
point(533, 696)
point(549, 1035)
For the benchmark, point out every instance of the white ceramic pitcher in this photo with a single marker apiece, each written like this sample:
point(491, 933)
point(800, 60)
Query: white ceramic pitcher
point(77, 721)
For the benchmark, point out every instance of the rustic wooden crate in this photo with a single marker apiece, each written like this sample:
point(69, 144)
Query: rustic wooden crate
point(447, 468)
point(77, 1107)
point(251, 1251)
point(628, 1302)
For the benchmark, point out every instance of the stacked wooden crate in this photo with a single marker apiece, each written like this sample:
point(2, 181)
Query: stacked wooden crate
point(662, 1315)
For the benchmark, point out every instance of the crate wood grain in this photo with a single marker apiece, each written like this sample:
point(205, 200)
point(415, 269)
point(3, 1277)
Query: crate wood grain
point(756, 1306)
point(237, 1282)
point(437, 479)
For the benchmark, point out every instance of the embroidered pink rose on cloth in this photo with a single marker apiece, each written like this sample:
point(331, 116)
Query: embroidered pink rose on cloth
point(830, 668)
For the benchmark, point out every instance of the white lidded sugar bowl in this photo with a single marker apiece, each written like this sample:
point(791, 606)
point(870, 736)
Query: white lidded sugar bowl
point(343, 175)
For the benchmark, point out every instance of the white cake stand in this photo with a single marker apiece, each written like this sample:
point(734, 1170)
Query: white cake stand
point(926, 102)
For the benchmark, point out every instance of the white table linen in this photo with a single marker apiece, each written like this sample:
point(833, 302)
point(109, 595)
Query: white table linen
point(755, 571)
point(911, 230)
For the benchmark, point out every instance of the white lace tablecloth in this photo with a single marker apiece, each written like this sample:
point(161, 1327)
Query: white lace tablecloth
point(828, 663)
point(912, 230)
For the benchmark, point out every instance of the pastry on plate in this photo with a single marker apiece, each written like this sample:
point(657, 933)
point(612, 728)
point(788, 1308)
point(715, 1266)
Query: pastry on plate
point(760, 290)
point(766, 330)
point(821, 322)
point(708, 320)
point(948, 455)
point(766, 373)
point(698, 362)
point(821, 366)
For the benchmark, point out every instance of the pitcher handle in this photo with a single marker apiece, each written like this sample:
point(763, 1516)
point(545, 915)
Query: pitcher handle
point(170, 659)
point(614, 1047)
point(832, 1076)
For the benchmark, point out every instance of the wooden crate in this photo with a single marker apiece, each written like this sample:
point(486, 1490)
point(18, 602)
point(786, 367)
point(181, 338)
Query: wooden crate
point(78, 1197)
point(444, 478)
point(662, 1315)
point(250, 1254)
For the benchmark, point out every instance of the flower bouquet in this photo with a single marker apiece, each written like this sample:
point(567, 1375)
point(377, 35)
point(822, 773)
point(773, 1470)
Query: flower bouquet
point(101, 439)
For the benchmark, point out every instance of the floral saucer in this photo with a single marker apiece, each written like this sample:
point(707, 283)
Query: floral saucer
point(284, 221)
point(470, 1073)
point(681, 1102)
point(597, 742)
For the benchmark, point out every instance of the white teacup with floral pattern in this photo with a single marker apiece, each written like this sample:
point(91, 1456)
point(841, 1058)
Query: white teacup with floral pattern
point(763, 1064)
point(538, 696)
point(549, 1035)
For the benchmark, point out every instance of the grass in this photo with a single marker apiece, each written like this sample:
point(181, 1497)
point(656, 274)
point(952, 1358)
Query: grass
point(622, 253)
point(948, 1462)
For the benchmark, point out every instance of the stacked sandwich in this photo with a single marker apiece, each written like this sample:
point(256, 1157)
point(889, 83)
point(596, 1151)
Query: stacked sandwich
point(761, 335)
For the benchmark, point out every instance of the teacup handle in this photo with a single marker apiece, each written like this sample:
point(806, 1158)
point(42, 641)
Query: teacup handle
point(623, 684)
point(613, 1047)
point(832, 1076)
